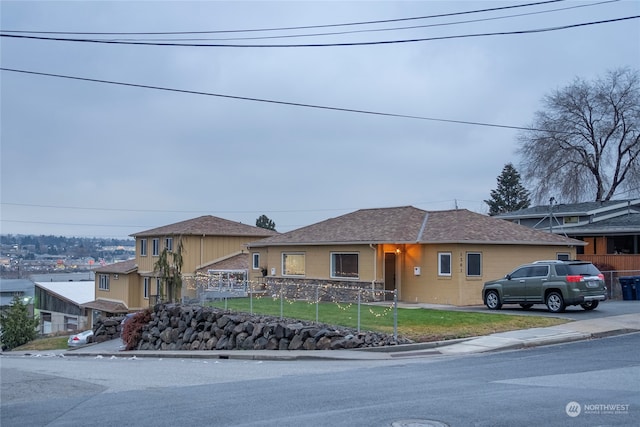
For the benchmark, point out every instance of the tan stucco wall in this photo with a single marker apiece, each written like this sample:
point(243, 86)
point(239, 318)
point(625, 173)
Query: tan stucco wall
point(118, 288)
point(317, 261)
point(459, 289)
point(428, 287)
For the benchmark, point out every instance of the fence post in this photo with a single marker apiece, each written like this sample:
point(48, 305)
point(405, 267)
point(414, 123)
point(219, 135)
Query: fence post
point(317, 300)
point(281, 301)
point(395, 314)
point(359, 301)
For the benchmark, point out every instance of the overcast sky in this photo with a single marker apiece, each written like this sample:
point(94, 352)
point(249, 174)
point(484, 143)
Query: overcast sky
point(83, 158)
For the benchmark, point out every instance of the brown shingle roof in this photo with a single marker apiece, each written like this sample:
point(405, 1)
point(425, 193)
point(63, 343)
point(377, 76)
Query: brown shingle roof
point(407, 224)
point(207, 225)
point(107, 306)
point(235, 262)
point(123, 267)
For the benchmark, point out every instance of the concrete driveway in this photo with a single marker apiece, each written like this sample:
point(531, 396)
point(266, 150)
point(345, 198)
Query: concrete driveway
point(574, 312)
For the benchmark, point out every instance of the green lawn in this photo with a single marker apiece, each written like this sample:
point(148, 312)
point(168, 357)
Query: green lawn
point(420, 325)
point(47, 343)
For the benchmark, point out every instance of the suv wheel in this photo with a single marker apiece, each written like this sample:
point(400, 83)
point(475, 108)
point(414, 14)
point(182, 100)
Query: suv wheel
point(589, 305)
point(555, 303)
point(492, 300)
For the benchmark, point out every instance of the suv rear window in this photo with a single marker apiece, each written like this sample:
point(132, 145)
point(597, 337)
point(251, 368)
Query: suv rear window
point(586, 269)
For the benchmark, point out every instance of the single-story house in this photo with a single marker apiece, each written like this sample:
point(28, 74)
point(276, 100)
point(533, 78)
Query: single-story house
point(59, 305)
point(440, 257)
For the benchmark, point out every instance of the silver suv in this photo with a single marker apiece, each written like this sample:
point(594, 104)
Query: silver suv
point(554, 283)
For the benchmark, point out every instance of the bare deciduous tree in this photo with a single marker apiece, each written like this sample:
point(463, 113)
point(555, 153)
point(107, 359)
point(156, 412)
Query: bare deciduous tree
point(585, 144)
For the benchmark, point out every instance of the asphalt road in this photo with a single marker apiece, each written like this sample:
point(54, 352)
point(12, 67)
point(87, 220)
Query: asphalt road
point(515, 388)
point(573, 312)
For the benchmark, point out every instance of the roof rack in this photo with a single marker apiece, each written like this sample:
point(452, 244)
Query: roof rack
point(549, 261)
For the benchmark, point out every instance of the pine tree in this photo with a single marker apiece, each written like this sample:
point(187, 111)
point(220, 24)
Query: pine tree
point(264, 222)
point(510, 195)
point(18, 327)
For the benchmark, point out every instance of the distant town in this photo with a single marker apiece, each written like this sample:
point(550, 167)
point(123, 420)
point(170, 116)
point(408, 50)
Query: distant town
point(24, 255)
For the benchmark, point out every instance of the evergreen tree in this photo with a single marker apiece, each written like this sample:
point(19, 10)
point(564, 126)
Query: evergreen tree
point(510, 195)
point(18, 327)
point(264, 222)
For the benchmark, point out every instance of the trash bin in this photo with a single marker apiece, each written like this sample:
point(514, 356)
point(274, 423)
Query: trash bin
point(637, 288)
point(628, 285)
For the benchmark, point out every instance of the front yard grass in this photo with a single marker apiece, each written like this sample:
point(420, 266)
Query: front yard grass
point(420, 325)
point(46, 343)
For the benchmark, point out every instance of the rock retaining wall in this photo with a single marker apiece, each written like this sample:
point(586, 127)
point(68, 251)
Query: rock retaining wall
point(107, 328)
point(177, 327)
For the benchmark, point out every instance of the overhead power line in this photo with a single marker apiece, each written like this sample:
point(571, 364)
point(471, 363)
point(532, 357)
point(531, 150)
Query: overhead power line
point(305, 27)
point(343, 44)
point(272, 101)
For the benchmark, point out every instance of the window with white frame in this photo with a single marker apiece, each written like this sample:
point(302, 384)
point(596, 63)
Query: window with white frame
point(145, 288)
point(143, 247)
point(255, 260)
point(293, 264)
point(103, 282)
point(562, 256)
point(344, 265)
point(474, 264)
point(158, 286)
point(444, 263)
point(168, 243)
point(155, 247)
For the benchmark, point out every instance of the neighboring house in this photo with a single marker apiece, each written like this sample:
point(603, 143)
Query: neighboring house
point(58, 305)
point(440, 257)
point(611, 229)
point(134, 285)
point(23, 288)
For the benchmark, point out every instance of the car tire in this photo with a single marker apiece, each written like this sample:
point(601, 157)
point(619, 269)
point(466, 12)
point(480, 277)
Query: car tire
point(555, 302)
point(526, 306)
point(492, 300)
point(590, 305)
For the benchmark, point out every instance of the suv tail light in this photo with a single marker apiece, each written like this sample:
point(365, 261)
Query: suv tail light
point(574, 278)
point(601, 276)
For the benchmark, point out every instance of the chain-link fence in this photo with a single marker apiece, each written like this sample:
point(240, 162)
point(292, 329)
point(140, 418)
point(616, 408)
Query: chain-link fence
point(620, 284)
point(623, 284)
point(323, 302)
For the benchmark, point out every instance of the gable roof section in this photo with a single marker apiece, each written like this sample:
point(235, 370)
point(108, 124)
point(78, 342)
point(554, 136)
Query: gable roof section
point(124, 267)
point(412, 225)
point(238, 261)
point(207, 225)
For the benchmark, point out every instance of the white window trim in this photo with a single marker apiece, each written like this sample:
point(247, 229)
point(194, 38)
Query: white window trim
point(143, 247)
point(332, 267)
point(168, 244)
point(145, 289)
point(103, 282)
point(255, 260)
point(283, 267)
point(155, 247)
point(440, 255)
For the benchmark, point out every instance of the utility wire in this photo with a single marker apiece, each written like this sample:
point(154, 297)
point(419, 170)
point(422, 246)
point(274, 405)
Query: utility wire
point(366, 43)
point(306, 27)
point(412, 27)
point(271, 101)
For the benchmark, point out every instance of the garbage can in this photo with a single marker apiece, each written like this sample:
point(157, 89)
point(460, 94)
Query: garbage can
point(636, 287)
point(628, 286)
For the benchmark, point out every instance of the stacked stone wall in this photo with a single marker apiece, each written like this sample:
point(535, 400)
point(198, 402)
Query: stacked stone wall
point(178, 327)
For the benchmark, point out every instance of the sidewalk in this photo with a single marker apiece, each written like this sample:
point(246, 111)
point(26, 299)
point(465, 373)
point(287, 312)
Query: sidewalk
point(572, 331)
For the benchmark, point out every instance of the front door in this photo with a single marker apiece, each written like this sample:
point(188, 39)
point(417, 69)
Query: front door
point(389, 275)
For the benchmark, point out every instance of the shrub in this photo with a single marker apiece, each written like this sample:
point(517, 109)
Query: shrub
point(18, 327)
point(132, 328)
